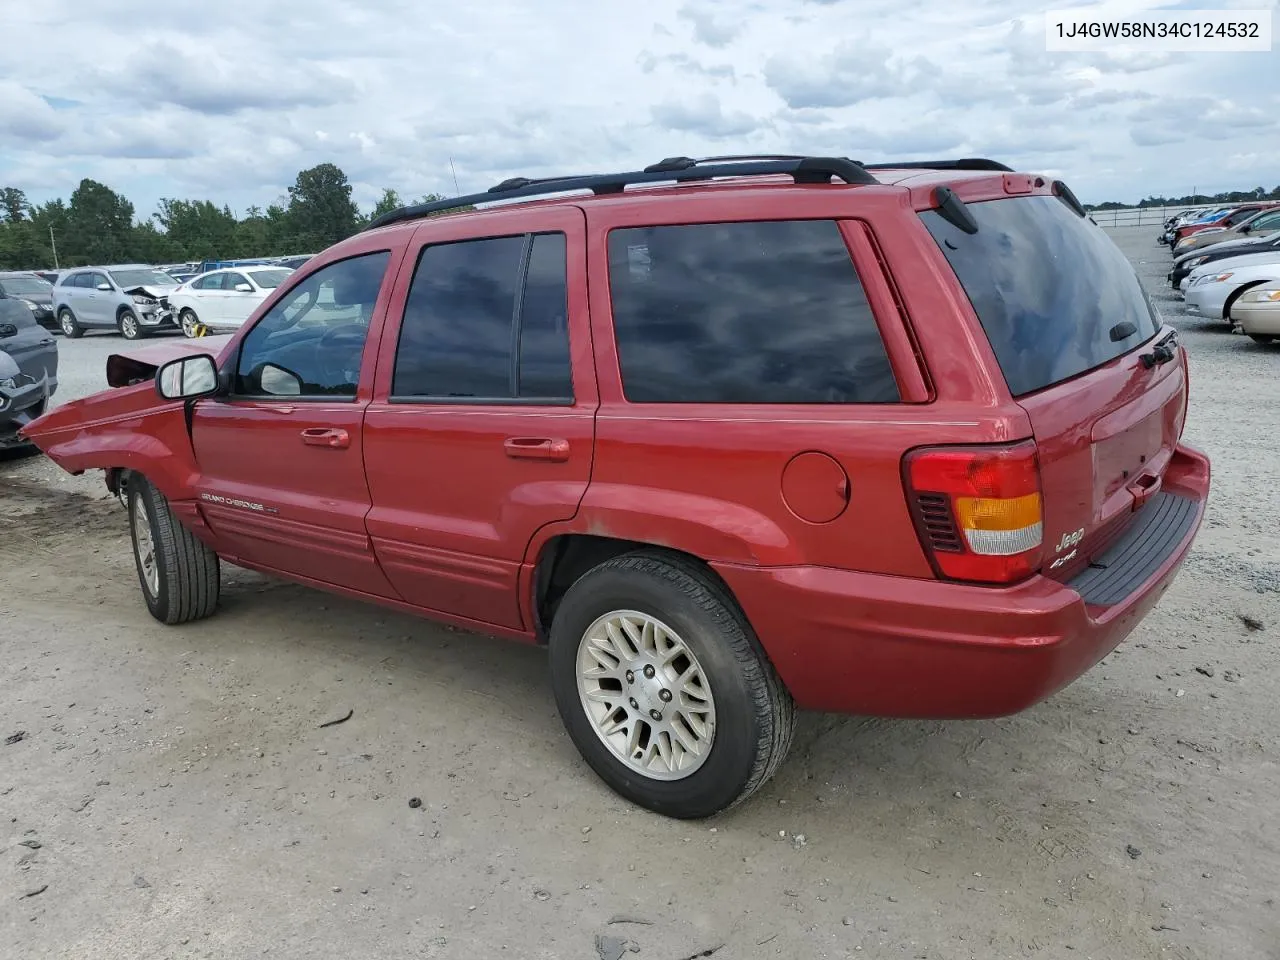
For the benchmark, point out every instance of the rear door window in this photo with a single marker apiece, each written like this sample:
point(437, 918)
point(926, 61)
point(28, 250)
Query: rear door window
point(748, 312)
point(1055, 295)
point(486, 321)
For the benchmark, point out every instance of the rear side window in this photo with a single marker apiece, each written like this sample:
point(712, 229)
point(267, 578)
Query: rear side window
point(751, 312)
point(1055, 295)
point(487, 320)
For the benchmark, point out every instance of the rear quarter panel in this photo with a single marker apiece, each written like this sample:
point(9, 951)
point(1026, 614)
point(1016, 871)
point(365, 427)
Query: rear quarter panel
point(707, 478)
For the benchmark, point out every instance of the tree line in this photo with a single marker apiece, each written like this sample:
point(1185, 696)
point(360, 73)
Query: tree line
point(96, 225)
point(1193, 200)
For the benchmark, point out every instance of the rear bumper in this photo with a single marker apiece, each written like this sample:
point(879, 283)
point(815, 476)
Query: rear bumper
point(850, 642)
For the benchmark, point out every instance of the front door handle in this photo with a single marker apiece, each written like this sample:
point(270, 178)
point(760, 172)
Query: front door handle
point(326, 437)
point(536, 448)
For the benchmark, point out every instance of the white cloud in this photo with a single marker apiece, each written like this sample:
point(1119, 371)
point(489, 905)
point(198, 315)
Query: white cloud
point(230, 107)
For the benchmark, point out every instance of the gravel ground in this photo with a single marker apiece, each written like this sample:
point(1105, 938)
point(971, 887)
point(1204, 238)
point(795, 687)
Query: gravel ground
point(175, 795)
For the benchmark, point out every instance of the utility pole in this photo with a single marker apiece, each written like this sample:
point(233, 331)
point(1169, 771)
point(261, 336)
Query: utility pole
point(53, 244)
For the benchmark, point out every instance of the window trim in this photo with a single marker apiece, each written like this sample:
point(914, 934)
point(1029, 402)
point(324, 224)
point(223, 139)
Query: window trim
point(517, 329)
point(233, 361)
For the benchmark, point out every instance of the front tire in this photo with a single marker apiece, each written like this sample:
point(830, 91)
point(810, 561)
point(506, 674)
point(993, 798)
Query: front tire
point(130, 325)
point(190, 323)
point(178, 573)
point(67, 322)
point(664, 688)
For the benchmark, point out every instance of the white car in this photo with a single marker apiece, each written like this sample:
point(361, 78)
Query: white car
point(223, 299)
point(1213, 289)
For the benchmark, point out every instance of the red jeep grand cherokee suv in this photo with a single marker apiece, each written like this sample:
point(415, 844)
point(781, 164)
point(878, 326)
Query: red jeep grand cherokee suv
point(787, 432)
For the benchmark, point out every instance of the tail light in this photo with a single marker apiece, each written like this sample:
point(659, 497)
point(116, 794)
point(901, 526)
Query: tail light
point(978, 510)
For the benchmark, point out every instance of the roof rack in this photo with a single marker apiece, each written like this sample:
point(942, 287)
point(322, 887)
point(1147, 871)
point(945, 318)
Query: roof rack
point(680, 169)
point(964, 163)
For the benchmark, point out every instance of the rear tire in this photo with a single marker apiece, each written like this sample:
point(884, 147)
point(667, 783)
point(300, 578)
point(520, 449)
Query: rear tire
point(687, 670)
point(67, 323)
point(179, 574)
point(189, 322)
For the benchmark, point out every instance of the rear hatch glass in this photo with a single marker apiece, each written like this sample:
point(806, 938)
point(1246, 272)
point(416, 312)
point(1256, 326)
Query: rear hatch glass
point(1055, 295)
point(1066, 317)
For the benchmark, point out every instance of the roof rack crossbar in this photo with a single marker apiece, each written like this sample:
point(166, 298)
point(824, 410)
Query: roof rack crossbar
point(800, 169)
point(963, 163)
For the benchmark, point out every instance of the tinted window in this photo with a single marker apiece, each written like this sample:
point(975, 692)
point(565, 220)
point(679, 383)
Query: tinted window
point(207, 282)
point(459, 335)
point(81, 280)
point(1050, 288)
point(316, 332)
point(544, 322)
point(769, 312)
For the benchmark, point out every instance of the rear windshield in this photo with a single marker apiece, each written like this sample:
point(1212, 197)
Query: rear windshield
point(17, 286)
point(1055, 295)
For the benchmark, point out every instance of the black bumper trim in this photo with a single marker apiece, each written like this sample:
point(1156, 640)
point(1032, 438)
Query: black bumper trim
point(1148, 541)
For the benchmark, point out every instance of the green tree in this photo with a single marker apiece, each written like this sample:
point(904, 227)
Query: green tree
point(197, 229)
point(320, 209)
point(99, 225)
point(390, 200)
point(13, 203)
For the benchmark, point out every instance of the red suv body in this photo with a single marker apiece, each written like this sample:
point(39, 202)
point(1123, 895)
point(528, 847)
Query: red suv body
point(908, 446)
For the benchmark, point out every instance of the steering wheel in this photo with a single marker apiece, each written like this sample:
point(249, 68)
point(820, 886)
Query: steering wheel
point(336, 348)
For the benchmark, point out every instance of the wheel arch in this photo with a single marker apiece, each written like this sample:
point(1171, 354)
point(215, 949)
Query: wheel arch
point(563, 558)
point(1240, 291)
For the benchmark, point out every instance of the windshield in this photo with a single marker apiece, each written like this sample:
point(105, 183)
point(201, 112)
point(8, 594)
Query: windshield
point(142, 278)
point(1055, 295)
point(269, 279)
point(17, 286)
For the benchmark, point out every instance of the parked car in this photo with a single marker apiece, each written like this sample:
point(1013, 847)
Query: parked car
point(1186, 216)
point(1183, 266)
point(864, 443)
point(295, 261)
point(1257, 311)
point(130, 298)
point(32, 291)
point(49, 275)
point(28, 370)
point(1213, 289)
point(1259, 223)
point(223, 299)
point(1231, 219)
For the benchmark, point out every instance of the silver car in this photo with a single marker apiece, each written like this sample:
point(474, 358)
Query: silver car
point(131, 298)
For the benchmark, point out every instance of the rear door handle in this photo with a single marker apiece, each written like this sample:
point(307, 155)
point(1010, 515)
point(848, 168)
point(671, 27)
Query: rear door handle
point(326, 437)
point(536, 448)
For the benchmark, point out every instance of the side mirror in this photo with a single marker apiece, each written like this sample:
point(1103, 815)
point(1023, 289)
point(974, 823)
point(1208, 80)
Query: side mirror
point(243, 288)
point(105, 287)
point(187, 378)
point(279, 382)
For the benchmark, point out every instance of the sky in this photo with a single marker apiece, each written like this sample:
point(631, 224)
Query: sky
point(229, 103)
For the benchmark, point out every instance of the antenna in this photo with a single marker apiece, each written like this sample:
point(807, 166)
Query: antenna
point(455, 176)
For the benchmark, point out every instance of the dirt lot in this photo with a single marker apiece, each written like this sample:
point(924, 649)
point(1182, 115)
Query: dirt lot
point(175, 795)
